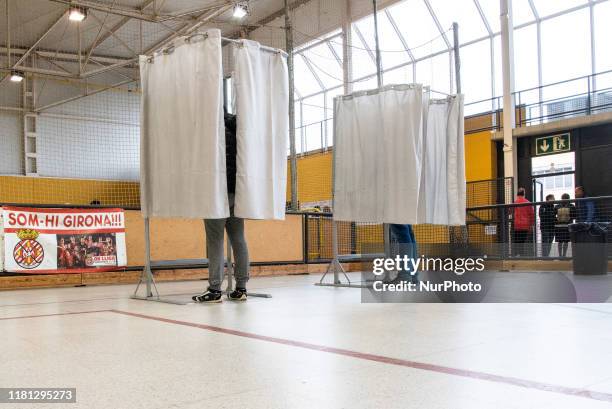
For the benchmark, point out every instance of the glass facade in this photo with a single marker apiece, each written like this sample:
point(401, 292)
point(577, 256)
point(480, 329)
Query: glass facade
point(553, 41)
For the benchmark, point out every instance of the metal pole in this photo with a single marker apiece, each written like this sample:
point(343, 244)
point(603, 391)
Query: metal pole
point(379, 74)
point(379, 77)
point(79, 46)
point(147, 266)
point(293, 158)
point(8, 34)
point(457, 57)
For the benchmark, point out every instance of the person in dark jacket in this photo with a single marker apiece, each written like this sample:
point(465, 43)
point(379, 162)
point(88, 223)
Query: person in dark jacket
point(548, 217)
point(565, 215)
point(585, 209)
point(235, 231)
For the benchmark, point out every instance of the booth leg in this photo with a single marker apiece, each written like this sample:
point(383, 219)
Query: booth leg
point(147, 275)
point(335, 267)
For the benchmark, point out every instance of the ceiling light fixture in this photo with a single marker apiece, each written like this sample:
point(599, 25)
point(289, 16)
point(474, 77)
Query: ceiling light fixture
point(76, 13)
point(16, 76)
point(241, 10)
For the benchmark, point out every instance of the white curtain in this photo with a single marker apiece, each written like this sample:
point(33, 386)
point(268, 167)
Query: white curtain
point(442, 199)
point(399, 157)
point(378, 150)
point(262, 101)
point(182, 131)
point(456, 162)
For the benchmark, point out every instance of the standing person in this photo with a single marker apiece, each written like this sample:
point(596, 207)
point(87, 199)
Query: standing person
point(523, 218)
point(565, 214)
point(548, 218)
point(404, 236)
point(235, 231)
point(585, 209)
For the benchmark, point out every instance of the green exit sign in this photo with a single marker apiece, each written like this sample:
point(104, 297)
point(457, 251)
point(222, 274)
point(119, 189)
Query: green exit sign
point(553, 144)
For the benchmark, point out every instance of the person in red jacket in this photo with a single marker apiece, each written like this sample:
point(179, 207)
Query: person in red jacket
point(523, 219)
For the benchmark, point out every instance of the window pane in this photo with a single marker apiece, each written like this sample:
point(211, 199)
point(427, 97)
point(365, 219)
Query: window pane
point(298, 118)
point(603, 34)
point(497, 60)
point(313, 110)
point(435, 72)
point(363, 64)
point(336, 44)
point(525, 58)
point(370, 83)
point(402, 75)
point(559, 42)
point(463, 12)
point(548, 7)
point(305, 82)
point(392, 49)
point(330, 114)
point(324, 65)
point(476, 71)
point(417, 27)
point(521, 12)
point(393, 54)
point(490, 8)
point(313, 113)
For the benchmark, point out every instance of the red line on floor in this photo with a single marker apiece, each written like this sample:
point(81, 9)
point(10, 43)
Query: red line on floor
point(52, 315)
point(583, 393)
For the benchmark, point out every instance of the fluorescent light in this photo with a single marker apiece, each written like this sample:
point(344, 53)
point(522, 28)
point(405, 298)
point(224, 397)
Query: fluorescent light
point(241, 10)
point(16, 76)
point(77, 14)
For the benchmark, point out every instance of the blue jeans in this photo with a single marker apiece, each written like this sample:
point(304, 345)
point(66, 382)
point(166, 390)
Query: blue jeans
point(406, 245)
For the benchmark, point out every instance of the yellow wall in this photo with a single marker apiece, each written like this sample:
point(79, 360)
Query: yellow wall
point(174, 238)
point(38, 190)
point(480, 157)
point(314, 177)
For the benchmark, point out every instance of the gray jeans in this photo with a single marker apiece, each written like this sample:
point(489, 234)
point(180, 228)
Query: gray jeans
point(215, 243)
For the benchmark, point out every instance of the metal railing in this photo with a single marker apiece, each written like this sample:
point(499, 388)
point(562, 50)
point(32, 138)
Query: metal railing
point(581, 96)
point(492, 230)
point(533, 230)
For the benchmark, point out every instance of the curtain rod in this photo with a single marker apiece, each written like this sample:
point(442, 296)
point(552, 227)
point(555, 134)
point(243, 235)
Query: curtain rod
point(224, 40)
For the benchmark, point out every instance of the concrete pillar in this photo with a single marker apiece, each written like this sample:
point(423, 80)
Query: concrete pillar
point(347, 60)
point(507, 49)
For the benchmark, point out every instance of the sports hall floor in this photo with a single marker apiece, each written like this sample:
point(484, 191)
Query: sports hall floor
point(307, 347)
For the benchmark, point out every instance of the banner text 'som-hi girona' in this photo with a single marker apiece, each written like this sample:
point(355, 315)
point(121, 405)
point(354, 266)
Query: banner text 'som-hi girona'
point(63, 240)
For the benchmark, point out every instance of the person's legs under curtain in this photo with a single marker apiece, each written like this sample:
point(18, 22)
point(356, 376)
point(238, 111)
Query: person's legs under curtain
point(214, 246)
point(235, 231)
point(406, 246)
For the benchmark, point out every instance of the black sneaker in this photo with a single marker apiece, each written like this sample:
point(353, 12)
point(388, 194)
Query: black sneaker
point(239, 294)
point(209, 296)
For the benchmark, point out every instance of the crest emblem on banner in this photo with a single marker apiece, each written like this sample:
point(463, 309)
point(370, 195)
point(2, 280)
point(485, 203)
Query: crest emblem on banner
point(28, 253)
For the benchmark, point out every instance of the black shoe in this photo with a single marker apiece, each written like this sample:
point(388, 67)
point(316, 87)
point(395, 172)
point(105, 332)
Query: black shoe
point(209, 296)
point(239, 294)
